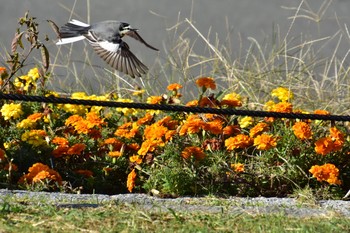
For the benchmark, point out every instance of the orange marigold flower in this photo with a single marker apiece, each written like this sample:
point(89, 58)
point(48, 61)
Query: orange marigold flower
point(148, 146)
point(258, 129)
point(127, 130)
point(194, 151)
point(336, 134)
point(206, 82)
point(115, 153)
point(302, 130)
point(35, 116)
point(39, 172)
point(174, 87)
point(86, 173)
point(265, 142)
point(324, 145)
point(117, 145)
point(155, 99)
point(282, 107)
point(2, 69)
point(215, 127)
point(240, 141)
point(208, 102)
point(192, 103)
point(192, 125)
point(72, 120)
point(76, 149)
point(146, 119)
point(130, 184)
point(232, 100)
point(135, 159)
point(231, 130)
point(327, 172)
point(93, 120)
point(237, 167)
point(60, 141)
point(321, 112)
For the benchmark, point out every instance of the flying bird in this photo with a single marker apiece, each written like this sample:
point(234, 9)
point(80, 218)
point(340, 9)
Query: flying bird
point(106, 39)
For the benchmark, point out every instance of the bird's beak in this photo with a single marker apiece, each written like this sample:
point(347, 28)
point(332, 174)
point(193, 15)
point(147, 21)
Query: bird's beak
point(134, 29)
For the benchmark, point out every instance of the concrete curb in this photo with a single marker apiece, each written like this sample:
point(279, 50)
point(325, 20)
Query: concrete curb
point(233, 205)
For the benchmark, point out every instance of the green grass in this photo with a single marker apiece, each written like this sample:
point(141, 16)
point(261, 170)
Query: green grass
point(22, 216)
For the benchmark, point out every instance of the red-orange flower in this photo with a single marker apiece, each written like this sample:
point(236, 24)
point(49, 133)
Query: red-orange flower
point(76, 149)
point(194, 151)
point(86, 173)
point(206, 82)
point(60, 141)
point(265, 142)
point(130, 184)
point(302, 130)
point(240, 141)
point(327, 172)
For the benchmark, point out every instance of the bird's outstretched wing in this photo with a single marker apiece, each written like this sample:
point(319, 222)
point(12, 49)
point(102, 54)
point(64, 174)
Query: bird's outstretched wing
point(134, 34)
point(119, 56)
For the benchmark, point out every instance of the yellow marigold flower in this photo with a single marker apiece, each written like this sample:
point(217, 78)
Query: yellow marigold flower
point(138, 92)
point(269, 105)
point(237, 167)
point(282, 107)
point(265, 142)
point(233, 100)
point(40, 172)
point(327, 172)
point(246, 122)
point(258, 129)
point(206, 82)
point(11, 111)
point(34, 73)
point(283, 94)
point(135, 159)
point(130, 184)
point(194, 151)
point(240, 141)
point(34, 137)
point(302, 130)
point(126, 111)
point(174, 87)
point(83, 172)
point(155, 99)
point(30, 122)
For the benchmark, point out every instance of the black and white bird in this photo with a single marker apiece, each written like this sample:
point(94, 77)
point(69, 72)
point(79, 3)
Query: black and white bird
point(106, 39)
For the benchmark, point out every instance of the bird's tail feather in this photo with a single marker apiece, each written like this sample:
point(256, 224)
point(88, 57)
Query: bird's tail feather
point(72, 31)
